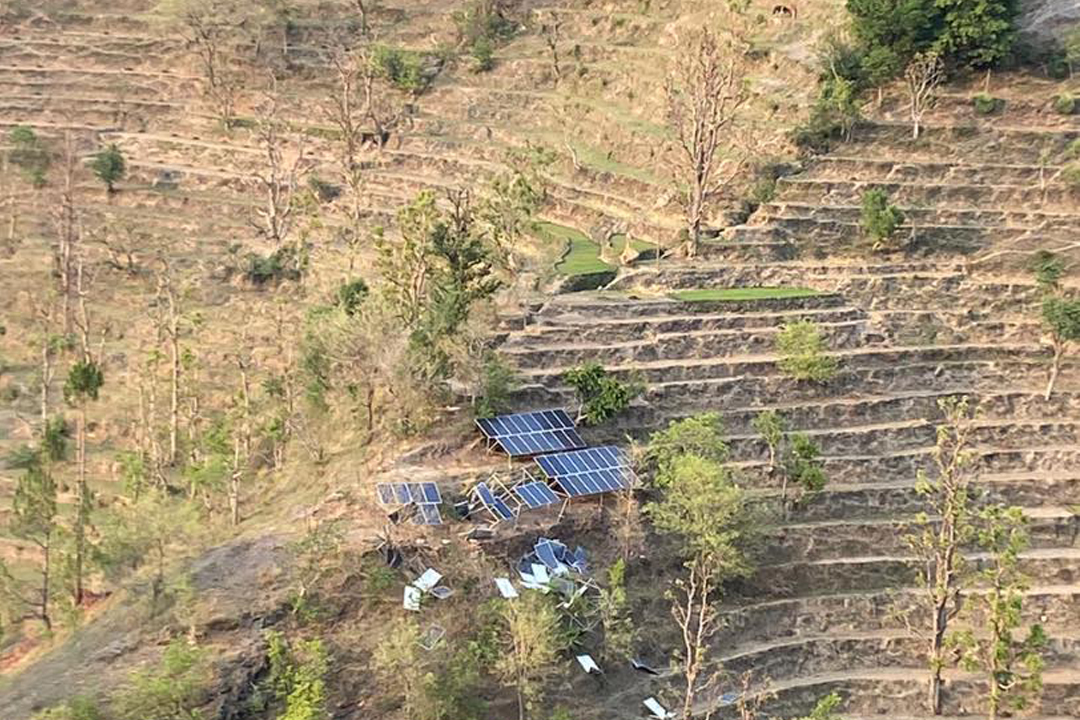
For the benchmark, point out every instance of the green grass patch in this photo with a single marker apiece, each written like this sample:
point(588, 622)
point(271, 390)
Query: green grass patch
point(582, 255)
point(748, 293)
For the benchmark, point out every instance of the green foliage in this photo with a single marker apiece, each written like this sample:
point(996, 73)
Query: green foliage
point(350, 296)
point(801, 347)
point(532, 641)
point(399, 660)
point(484, 20)
point(772, 428)
point(109, 166)
point(879, 219)
point(1013, 666)
point(1064, 104)
point(29, 154)
point(84, 381)
point(483, 55)
point(825, 709)
point(601, 395)
point(1048, 269)
point(706, 510)
point(451, 691)
point(1071, 47)
point(298, 677)
point(497, 383)
point(77, 708)
point(33, 508)
point(977, 33)
point(408, 70)
point(803, 466)
point(699, 436)
point(172, 690)
point(893, 30)
point(619, 631)
point(285, 263)
point(985, 104)
point(54, 439)
point(1062, 317)
point(1070, 175)
point(834, 115)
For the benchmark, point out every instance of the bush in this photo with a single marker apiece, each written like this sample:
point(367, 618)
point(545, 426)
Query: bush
point(801, 347)
point(1064, 104)
point(985, 104)
point(1048, 269)
point(483, 20)
point(834, 115)
point(483, 54)
point(282, 264)
point(410, 71)
point(77, 708)
point(497, 383)
point(323, 190)
point(350, 296)
point(1070, 175)
point(29, 154)
point(109, 166)
point(601, 395)
point(879, 219)
point(170, 691)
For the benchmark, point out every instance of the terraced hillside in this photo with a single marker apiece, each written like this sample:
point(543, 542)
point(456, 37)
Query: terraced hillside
point(954, 312)
point(957, 315)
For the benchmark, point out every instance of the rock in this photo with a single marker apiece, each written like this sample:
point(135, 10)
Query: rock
point(1044, 19)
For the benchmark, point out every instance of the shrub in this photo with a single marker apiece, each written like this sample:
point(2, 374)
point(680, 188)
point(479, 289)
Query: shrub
point(1064, 104)
point(407, 70)
point(1070, 175)
point(699, 436)
point(497, 382)
point(350, 296)
point(282, 264)
point(109, 166)
point(170, 691)
point(483, 19)
point(879, 219)
point(77, 708)
point(600, 394)
point(801, 347)
point(1048, 269)
point(323, 190)
point(483, 54)
point(985, 104)
point(29, 154)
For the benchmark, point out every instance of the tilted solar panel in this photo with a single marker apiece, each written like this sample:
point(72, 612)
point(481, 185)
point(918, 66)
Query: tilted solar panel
point(497, 506)
point(590, 471)
point(426, 493)
point(427, 514)
point(532, 433)
point(536, 494)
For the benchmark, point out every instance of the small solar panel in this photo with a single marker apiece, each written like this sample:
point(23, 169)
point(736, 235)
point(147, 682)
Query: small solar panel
point(532, 433)
point(496, 505)
point(426, 493)
point(427, 514)
point(590, 471)
point(536, 494)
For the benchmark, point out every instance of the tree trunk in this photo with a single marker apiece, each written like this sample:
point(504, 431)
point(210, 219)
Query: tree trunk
point(46, 571)
point(234, 484)
point(1055, 368)
point(915, 129)
point(81, 510)
point(46, 378)
point(174, 399)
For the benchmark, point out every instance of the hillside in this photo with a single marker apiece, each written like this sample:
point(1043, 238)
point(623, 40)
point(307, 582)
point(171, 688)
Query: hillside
point(247, 396)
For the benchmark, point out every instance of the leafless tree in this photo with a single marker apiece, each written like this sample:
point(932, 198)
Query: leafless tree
point(551, 31)
point(168, 320)
point(706, 93)
point(923, 76)
point(695, 613)
point(285, 168)
point(210, 38)
point(66, 220)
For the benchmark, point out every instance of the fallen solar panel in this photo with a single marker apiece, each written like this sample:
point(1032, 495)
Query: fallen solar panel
point(498, 507)
point(556, 557)
point(658, 711)
point(531, 433)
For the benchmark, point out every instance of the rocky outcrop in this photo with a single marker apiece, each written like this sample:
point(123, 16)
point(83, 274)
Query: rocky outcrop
point(1048, 18)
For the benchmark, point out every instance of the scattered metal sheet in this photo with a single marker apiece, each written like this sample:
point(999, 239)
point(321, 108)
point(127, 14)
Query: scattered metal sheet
point(412, 598)
point(506, 588)
point(442, 592)
point(644, 667)
point(432, 637)
point(729, 698)
point(588, 664)
point(658, 711)
point(428, 580)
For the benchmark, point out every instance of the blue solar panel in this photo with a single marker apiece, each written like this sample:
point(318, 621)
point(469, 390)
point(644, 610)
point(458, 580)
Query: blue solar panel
point(385, 494)
point(589, 471)
point(404, 493)
point(532, 433)
point(536, 494)
point(496, 505)
point(424, 493)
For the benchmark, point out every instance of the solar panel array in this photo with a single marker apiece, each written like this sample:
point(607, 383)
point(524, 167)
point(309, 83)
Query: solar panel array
point(590, 471)
point(536, 494)
point(532, 433)
point(495, 505)
point(425, 496)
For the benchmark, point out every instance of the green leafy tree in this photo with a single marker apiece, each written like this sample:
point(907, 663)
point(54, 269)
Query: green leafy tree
point(619, 631)
point(700, 436)
point(801, 347)
point(1013, 666)
point(802, 464)
point(29, 154)
point(298, 677)
point(1061, 315)
point(34, 519)
point(109, 166)
point(400, 661)
point(497, 381)
point(532, 641)
point(350, 296)
point(703, 508)
point(894, 30)
point(977, 33)
point(879, 219)
point(512, 199)
point(1071, 45)
point(772, 428)
point(173, 690)
point(601, 396)
point(941, 533)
